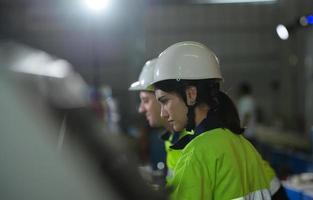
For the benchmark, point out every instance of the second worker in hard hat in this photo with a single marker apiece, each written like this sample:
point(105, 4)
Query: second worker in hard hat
point(217, 162)
point(151, 109)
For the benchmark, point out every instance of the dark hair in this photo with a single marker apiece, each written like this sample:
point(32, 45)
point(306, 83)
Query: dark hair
point(207, 93)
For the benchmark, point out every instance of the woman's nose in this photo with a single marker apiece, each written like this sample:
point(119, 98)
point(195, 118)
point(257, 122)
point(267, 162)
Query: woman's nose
point(164, 113)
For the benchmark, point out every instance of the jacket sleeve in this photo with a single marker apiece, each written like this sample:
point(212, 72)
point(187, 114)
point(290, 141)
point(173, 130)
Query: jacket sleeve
point(193, 178)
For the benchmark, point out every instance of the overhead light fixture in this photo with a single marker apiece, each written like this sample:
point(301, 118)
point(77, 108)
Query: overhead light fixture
point(310, 19)
point(306, 20)
point(234, 1)
point(282, 32)
point(97, 5)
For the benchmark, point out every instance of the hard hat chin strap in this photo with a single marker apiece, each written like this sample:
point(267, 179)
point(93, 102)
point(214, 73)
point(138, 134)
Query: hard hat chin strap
point(191, 110)
point(213, 104)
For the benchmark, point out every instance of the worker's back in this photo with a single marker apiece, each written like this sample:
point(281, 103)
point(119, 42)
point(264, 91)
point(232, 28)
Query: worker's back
point(218, 164)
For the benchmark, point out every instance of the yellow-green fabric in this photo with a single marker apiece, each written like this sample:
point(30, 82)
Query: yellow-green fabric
point(269, 171)
point(271, 178)
point(172, 155)
point(219, 164)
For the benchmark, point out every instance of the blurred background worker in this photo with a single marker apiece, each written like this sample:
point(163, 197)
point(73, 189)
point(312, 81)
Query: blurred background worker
point(151, 109)
point(247, 110)
point(106, 108)
point(111, 108)
point(217, 162)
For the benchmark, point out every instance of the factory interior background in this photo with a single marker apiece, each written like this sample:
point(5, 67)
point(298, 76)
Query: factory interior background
point(62, 60)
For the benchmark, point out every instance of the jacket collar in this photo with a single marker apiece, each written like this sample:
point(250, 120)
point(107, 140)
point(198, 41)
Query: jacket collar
point(172, 137)
point(209, 123)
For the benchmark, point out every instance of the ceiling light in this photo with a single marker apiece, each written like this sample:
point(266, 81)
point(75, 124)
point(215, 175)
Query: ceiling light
point(97, 5)
point(282, 32)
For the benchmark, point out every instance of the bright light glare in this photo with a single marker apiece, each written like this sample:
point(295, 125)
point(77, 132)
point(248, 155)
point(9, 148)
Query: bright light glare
point(97, 5)
point(282, 32)
point(42, 65)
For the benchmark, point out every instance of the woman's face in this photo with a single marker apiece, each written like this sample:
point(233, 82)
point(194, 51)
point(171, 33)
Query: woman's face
point(173, 109)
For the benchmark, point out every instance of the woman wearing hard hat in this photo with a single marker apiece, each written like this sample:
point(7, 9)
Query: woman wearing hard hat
point(217, 162)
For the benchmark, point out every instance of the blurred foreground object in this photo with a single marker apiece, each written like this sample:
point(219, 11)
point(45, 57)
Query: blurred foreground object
point(40, 106)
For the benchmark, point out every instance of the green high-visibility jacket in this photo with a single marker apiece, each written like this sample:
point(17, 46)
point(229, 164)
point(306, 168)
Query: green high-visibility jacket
point(172, 155)
point(218, 164)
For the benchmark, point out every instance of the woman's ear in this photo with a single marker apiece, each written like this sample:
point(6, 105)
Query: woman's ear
point(191, 94)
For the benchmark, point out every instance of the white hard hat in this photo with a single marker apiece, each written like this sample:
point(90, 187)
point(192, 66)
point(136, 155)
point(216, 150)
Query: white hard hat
point(145, 78)
point(187, 60)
